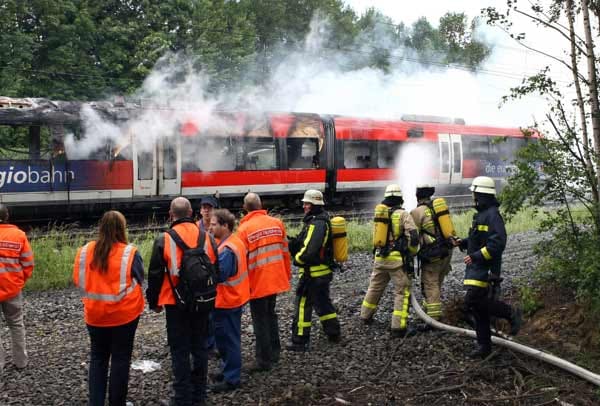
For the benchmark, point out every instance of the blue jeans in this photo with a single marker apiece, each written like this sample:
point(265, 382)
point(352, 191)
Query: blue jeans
point(186, 334)
point(228, 326)
point(114, 344)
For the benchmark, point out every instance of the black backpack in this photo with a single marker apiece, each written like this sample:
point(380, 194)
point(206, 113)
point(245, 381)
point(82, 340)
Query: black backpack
point(197, 287)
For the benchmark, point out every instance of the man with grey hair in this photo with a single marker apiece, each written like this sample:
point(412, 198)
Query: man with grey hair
point(16, 266)
point(270, 271)
point(186, 331)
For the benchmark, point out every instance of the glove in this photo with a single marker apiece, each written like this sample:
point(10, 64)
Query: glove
point(294, 246)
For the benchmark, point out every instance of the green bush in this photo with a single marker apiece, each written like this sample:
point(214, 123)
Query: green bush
point(529, 298)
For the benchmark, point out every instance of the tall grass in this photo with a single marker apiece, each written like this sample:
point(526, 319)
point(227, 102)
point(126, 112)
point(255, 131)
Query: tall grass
point(55, 252)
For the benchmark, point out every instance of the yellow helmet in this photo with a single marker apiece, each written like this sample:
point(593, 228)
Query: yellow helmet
point(393, 190)
point(483, 184)
point(314, 197)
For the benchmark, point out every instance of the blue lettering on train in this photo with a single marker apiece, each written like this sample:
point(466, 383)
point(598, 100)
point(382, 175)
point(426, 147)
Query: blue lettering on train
point(16, 177)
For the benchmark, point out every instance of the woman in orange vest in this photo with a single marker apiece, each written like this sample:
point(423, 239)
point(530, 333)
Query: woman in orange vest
point(109, 273)
point(233, 292)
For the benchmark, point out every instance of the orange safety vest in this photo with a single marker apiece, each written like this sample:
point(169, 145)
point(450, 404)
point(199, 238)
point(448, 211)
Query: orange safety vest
point(16, 261)
point(269, 264)
point(235, 291)
point(110, 298)
point(172, 255)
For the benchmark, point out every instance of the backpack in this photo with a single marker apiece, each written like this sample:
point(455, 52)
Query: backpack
point(197, 287)
point(439, 248)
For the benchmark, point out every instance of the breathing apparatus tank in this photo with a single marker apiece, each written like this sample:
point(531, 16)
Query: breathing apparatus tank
point(440, 208)
point(340, 239)
point(380, 225)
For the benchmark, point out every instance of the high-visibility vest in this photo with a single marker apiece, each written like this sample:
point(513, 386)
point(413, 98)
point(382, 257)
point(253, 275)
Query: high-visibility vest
point(235, 291)
point(172, 255)
point(110, 298)
point(16, 261)
point(269, 265)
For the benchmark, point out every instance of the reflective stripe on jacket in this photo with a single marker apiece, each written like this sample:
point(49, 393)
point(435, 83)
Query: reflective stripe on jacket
point(269, 266)
point(110, 298)
point(172, 255)
point(235, 291)
point(316, 253)
point(485, 244)
point(16, 261)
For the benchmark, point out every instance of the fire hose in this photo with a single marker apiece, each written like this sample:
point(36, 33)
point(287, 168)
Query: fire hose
point(532, 352)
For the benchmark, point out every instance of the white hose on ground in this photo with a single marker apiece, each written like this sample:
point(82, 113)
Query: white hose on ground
point(537, 354)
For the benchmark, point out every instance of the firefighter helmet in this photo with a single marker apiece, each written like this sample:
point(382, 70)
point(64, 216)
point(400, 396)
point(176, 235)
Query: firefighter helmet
point(483, 184)
point(425, 190)
point(313, 196)
point(393, 190)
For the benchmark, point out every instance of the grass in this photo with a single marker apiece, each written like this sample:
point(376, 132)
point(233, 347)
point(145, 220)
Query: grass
point(55, 252)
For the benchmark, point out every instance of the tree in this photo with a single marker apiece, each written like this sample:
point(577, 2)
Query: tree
point(563, 166)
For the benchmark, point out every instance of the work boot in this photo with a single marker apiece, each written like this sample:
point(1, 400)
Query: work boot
point(223, 387)
point(216, 376)
point(337, 338)
point(480, 352)
point(403, 332)
point(298, 347)
point(256, 367)
point(368, 321)
point(516, 319)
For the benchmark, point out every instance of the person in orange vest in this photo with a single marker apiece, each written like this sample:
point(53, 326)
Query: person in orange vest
point(207, 205)
point(109, 273)
point(186, 332)
point(270, 271)
point(233, 292)
point(16, 266)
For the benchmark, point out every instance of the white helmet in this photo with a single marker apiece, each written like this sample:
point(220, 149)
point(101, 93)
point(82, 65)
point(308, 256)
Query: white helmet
point(483, 184)
point(393, 190)
point(314, 197)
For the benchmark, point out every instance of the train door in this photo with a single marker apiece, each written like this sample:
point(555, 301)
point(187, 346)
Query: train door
point(451, 158)
point(157, 171)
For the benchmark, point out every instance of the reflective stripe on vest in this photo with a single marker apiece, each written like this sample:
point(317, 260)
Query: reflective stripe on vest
point(173, 268)
point(123, 288)
point(238, 277)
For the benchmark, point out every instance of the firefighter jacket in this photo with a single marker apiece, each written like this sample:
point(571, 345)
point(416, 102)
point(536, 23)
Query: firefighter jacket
point(315, 255)
point(432, 245)
point(485, 244)
point(403, 238)
point(166, 257)
point(269, 266)
point(110, 298)
point(234, 291)
point(16, 261)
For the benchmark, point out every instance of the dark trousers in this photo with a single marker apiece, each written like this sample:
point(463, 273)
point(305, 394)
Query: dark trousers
point(313, 292)
point(114, 344)
point(186, 334)
point(478, 303)
point(228, 337)
point(266, 330)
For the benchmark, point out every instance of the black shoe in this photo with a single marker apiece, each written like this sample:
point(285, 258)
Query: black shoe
point(516, 319)
point(368, 321)
point(223, 387)
point(403, 332)
point(257, 368)
point(216, 376)
point(480, 353)
point(298, 347)
point(335, 338)
point(424, 328)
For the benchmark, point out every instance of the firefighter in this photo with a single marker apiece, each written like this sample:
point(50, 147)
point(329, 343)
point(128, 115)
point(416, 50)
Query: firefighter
point(484, 245)
point(269, 271)
point(313, 253)
point(16, 267)
point(434, 252)
point(393, 261)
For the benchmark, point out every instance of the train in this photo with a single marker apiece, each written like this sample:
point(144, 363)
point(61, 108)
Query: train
point(276, 154)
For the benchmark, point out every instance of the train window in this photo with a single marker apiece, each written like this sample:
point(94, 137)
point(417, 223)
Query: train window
point(445, 152)
point(360, 154)
point(476, 147)
point(145, 161)
point(204, 153)
point(169, 158)
point(387, 153)
point(456, 164)
point(303, 153)
point(256, 154)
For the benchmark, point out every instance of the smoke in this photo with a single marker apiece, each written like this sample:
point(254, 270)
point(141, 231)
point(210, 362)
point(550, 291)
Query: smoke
point(413, 168)
point(314, 78)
